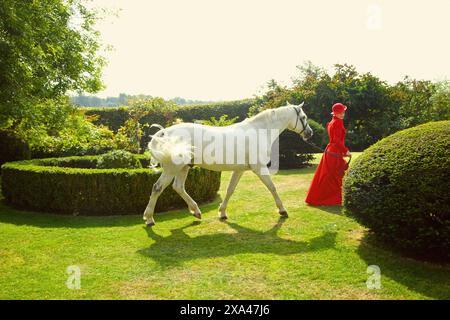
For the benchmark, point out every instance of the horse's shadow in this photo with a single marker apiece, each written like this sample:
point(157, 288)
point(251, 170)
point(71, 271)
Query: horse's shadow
point(178, 247)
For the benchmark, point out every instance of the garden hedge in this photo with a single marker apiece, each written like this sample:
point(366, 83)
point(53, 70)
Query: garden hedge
point(294, 152)
point(115, 117)
point(73, 185)
point(399, 188)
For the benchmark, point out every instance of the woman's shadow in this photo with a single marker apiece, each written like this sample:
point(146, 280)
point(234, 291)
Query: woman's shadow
point(178, 247)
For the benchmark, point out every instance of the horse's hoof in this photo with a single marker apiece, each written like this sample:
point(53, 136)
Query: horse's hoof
point(197, 215)
point(150, 224)
point(284, 214)
point(223, 218)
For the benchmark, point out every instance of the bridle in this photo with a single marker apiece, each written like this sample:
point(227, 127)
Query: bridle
point(301, 120)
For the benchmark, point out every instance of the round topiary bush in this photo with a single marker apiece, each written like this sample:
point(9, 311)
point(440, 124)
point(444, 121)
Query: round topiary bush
point(74, 185)
point(118, 159)
point(399, 188)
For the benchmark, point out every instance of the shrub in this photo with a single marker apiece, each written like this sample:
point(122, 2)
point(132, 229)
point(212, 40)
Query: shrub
point(118, 159)
point(294, 152)
point(290, 151)
point(59, 129)
point(12, 147)
point(319, 138)
point(129, 136)
point(399, 189)
point(73, 185)
point(221, 122)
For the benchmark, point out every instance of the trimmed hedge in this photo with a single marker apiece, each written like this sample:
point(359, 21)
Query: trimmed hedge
point(72, 185)
point(118, 159)
point(399, 188)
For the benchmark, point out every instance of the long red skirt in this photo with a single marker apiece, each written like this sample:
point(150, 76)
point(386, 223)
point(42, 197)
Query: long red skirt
point(326, 185)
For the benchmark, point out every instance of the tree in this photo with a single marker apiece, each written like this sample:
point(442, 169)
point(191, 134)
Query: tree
point(46, 49)
point(440, 101)
point(422, 101)
point(372, 114)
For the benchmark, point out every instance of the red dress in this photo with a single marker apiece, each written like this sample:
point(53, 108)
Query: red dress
point(326, 186)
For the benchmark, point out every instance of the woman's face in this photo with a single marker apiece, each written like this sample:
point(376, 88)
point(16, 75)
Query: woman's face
point(340, 115)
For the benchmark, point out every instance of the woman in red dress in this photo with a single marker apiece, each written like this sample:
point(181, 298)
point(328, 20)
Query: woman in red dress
point(326, 186)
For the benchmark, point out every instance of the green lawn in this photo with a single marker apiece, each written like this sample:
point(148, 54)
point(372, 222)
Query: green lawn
point(316, 253)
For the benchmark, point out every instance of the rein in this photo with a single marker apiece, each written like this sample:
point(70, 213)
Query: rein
point(322, 151)
point(310, 143)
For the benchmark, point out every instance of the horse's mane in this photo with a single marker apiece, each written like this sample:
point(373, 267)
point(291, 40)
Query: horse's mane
point(259, 116)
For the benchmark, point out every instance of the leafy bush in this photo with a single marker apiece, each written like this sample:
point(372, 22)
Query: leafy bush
point(319, 138)
point(129, 135)
point(399, 188)
point(12, 147)
point(59, 129)
point(294, 152)
point(221, 122)
point(118, 159)
point(70, 186)
point(290, 156)
point(421, 101)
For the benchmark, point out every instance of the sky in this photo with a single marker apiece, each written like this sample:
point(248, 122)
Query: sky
point(229, 49)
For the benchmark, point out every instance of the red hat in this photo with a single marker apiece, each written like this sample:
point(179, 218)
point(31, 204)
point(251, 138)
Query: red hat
point(338, 108)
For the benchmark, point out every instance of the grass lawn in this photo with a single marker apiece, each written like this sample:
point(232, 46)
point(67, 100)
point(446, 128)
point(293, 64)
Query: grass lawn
point(317, 253)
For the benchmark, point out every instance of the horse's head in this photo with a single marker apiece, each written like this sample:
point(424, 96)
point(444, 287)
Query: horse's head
point(298, 122)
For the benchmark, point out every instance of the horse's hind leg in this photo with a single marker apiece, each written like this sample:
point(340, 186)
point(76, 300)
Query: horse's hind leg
point(157, 189)
point(235, 177)
point(178, 186)
point(265, 178)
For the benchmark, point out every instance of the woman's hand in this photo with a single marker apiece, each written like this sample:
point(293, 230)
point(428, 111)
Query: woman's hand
point(348, 154)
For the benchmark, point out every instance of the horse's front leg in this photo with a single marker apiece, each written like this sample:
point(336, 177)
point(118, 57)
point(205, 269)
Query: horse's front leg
point(235, 177)
point(265, 178)
point(157, 189)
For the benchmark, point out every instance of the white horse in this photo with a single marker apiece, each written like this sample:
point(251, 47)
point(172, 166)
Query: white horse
point(247, 146)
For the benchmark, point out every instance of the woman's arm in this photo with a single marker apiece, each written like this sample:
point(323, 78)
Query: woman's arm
point(339, 133)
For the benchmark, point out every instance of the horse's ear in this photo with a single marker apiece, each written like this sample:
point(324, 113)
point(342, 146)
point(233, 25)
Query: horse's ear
point(301, 104)
point(287, 103)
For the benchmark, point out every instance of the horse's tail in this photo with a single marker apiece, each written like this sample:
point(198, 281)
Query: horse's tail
point(166, 149)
